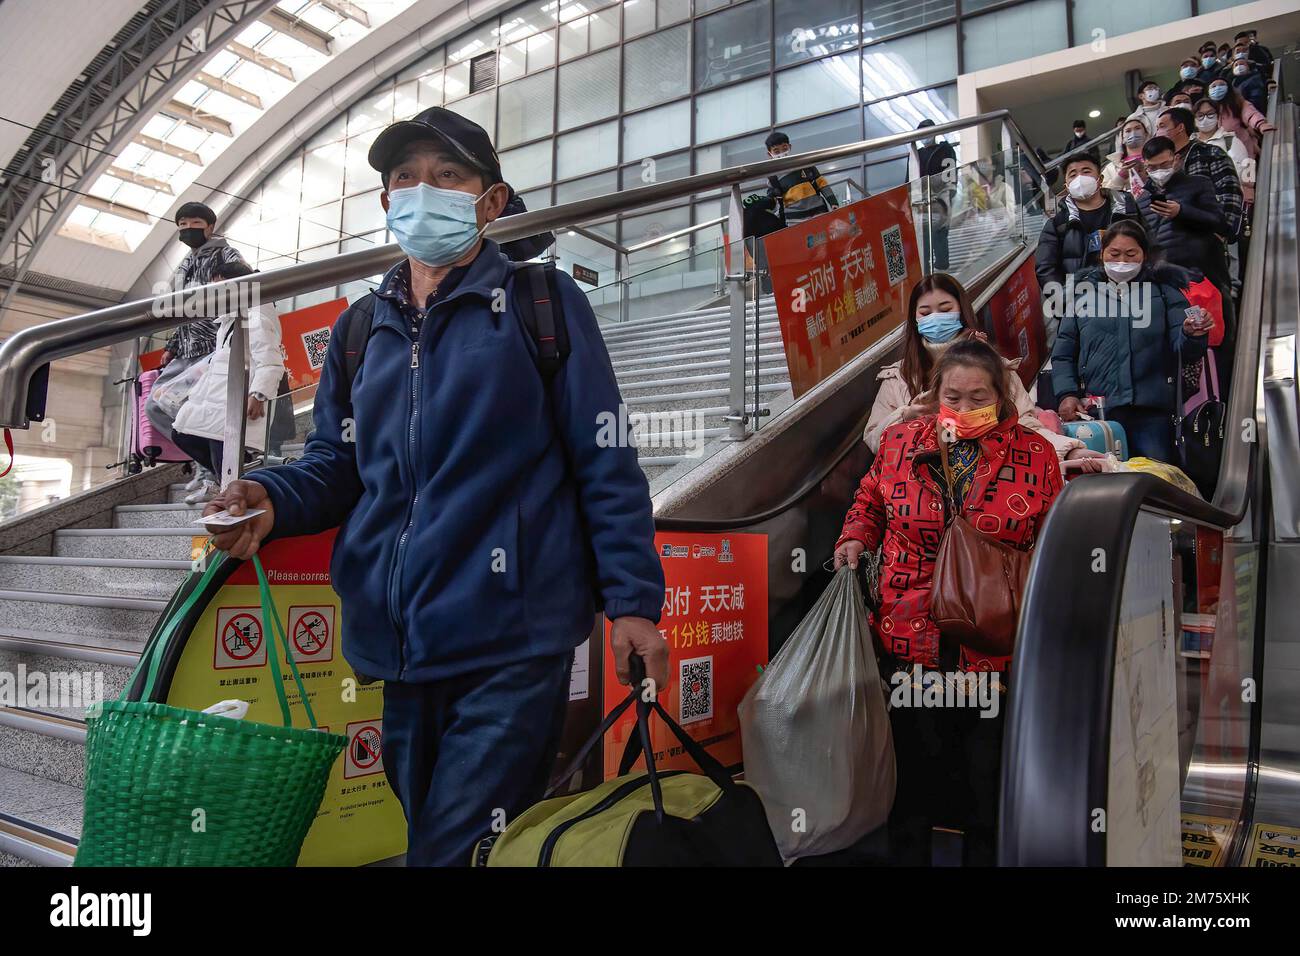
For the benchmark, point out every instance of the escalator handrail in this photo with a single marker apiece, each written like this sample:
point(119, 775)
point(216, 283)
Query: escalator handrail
point(27, 350)
point(1056, 757)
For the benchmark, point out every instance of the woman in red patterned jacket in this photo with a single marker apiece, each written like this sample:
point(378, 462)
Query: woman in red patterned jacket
point(1004, 479)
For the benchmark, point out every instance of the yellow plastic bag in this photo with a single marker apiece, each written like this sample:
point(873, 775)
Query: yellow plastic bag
point(1170, 473)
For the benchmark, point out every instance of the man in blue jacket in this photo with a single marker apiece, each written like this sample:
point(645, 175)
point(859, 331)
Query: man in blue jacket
point(483, 518)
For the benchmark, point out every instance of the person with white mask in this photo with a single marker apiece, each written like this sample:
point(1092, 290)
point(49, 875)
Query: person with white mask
point(1150, 103)
point(1209, 130)
point(1125, 339)
point(1123, 170)
point(939, 314)
point(1071, 239)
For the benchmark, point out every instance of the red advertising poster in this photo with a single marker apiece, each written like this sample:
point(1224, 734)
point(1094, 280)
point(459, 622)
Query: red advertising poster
point(715, 622)
point(1014, 318)
point(306, 336)
point(841, 281)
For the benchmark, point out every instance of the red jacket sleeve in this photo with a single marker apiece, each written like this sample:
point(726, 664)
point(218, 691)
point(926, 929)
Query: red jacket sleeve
point(865, 521)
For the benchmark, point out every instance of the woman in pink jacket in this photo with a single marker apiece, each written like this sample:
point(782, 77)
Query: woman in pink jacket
point(1239, 117)
point(940, 313)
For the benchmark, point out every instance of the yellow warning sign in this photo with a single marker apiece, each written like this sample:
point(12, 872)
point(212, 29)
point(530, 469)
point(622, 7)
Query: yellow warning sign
point(1272, 845)
point(1205, 839)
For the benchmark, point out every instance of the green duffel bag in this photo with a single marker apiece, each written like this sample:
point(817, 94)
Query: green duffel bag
point(650, 818)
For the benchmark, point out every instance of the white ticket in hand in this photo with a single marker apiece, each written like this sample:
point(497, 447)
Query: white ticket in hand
point(225, 519)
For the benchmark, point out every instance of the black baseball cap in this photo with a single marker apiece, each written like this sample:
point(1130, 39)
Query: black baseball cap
point(464, 137)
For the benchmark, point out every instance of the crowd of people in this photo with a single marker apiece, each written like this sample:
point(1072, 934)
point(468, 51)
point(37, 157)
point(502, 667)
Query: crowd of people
point(1135, 269)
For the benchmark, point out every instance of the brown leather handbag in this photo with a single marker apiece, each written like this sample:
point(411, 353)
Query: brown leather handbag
point(978, 586)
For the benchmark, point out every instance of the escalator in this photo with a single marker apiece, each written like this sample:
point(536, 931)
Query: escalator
point(1212, 757)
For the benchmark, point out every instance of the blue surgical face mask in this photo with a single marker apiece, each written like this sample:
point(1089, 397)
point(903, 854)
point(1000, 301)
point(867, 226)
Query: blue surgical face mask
point(938, 327)
point(435, 226)
point(1218, 92)
point(1209, 61)
point(1187, 72)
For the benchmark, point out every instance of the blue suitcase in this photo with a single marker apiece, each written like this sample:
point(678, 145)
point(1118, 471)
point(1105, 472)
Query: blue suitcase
point(1099, 435)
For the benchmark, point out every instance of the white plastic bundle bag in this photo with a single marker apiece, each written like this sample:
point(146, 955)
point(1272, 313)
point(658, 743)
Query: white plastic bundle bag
point(815, 730)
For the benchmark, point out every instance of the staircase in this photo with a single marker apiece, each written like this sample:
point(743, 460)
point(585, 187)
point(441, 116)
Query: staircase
point(89, 607)
point(86, 610)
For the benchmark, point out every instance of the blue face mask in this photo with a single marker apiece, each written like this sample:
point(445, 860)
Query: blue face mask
point(435, 226)
point(1208, 61)
point(1218, 92)
point(938, 327)
point(1187, 72)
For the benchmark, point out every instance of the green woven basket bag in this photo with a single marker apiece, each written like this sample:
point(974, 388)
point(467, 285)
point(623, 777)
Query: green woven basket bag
point(167, 786)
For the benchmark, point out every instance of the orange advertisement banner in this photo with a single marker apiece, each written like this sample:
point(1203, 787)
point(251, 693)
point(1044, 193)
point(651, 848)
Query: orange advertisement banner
point(715, 622)
point(1014, 318)
point(306, 336)
point(841, 281)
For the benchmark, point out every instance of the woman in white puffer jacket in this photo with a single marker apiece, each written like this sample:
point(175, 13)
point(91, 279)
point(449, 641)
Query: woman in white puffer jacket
point(201, 422)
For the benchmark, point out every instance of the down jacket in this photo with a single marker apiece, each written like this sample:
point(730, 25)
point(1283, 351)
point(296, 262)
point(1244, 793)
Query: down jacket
point(204, 411)
point(899, 505)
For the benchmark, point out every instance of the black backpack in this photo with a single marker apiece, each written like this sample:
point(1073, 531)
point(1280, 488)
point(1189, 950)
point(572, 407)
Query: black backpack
point(535, 298)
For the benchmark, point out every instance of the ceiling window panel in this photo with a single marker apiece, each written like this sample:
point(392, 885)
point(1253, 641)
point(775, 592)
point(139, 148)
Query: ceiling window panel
point(908, 63)
point(527, 110)
point(587, 150)
point(813, 28)
point(816, 87)
point(1016, 33)
point(656, 131)
point(658, 68)
point(528, 166)
point(589, 89)
point(733, 110)
point(733, 45)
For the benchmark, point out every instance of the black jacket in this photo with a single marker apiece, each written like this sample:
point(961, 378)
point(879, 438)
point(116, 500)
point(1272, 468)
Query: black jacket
point(1063, 244)
point(1189, 239)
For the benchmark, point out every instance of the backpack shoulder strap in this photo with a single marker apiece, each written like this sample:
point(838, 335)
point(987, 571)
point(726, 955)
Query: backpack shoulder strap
point(539, 306)
point(361, 316)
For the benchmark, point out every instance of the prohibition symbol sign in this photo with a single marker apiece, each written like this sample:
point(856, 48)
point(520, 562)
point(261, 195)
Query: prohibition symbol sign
point(240, 638)
point(365, 749)
point(311, 633)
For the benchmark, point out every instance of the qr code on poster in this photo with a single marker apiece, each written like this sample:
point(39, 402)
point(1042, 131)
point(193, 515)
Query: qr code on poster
point(697, 689)
point(317, 343)
point(895, 261)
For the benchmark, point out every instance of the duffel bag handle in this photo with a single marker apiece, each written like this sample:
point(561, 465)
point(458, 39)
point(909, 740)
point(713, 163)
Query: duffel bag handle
point(580, 757)
point(710, 765)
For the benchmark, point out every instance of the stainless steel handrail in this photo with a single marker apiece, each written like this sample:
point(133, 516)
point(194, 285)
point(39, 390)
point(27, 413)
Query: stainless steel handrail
point(1084, 148)
point(27, 350)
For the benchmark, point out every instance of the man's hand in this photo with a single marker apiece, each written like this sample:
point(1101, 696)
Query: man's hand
point(243, 540)
point(1165, 208)
point(639, 635)
point(254, 408)
point(1070, 408)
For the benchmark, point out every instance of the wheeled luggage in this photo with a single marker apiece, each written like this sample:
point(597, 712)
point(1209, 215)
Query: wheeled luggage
point(1100, 435)
point(151, 446)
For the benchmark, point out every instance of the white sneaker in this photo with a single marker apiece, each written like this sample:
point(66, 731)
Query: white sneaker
point(205, 492)
point(193, 483)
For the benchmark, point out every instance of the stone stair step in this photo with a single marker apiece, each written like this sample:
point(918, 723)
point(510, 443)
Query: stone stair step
point(171, 544)
point(166, 515)
point(107, 576)
point(80, 613)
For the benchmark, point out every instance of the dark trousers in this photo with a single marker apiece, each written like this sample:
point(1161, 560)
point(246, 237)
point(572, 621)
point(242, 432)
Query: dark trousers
point(466, 753)
point(949, 771)
point(205, 451)
point(1150, 431)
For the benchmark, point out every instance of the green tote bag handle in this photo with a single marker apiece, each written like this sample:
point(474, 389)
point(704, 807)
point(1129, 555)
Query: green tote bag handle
point(151, 661)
